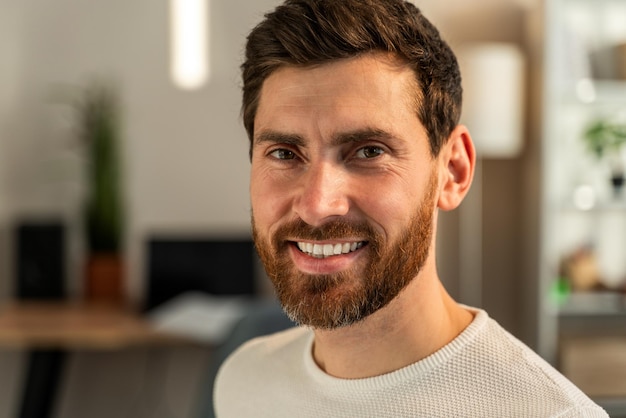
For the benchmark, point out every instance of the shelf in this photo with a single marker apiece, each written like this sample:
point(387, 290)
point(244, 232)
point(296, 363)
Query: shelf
point(593, 193)
point(579, 208)
point(595, 92)
point(593, 315)
point(613, 206)
point(598, 304)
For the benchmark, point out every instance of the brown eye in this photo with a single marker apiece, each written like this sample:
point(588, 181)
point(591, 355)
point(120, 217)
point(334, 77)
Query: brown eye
point(369, 152)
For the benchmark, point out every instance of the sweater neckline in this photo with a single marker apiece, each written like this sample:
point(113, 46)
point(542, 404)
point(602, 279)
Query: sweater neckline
point(412, 371)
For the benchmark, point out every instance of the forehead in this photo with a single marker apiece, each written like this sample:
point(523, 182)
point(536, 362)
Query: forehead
point(370, 91)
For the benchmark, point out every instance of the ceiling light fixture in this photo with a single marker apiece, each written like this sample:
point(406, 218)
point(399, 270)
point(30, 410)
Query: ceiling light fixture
point(189, 57)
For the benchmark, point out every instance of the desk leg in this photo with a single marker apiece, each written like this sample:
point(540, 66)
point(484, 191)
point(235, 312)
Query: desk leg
point(42, 381)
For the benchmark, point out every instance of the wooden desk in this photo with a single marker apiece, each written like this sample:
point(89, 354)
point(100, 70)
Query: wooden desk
point(49, 329)
point(41, 325)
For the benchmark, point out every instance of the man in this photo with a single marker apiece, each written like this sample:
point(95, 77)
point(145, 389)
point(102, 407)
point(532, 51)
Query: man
point(352, 110)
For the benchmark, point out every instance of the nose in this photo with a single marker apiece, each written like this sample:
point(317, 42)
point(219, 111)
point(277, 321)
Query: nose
point(322, 193)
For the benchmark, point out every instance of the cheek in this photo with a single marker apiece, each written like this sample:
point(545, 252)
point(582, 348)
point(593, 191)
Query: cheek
point(392, 214)
point(393, 207)
point(390, 194)
point(268, 201)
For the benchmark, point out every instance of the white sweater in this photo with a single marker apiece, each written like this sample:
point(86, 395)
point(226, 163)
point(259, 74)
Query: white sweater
point(484, 372)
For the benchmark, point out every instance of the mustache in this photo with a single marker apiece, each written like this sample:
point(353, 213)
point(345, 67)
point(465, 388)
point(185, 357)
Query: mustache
point(338, 229)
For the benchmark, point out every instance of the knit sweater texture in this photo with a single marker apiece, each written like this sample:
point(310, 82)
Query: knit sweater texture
point(484, 372)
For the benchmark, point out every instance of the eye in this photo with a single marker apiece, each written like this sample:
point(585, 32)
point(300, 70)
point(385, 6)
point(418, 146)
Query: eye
point(283, 154)
point(369, 152)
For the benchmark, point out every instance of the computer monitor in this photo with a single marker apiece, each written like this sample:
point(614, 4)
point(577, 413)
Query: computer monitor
point(176, 265)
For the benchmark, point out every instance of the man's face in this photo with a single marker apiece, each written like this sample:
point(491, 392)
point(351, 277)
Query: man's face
point(343, 188)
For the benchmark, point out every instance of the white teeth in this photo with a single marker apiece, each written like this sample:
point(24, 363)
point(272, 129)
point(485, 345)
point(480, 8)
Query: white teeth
point(327, 250)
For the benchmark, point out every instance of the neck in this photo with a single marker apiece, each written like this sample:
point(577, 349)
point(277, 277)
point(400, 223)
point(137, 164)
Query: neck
point(419, 321)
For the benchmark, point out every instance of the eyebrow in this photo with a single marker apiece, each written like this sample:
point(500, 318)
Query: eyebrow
point(359, 135)
point(276, 137)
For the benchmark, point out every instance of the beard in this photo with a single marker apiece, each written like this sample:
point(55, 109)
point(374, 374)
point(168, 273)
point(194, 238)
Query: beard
point(330, 301)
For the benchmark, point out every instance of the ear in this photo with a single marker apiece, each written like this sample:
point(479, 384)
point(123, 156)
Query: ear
point(457, 163)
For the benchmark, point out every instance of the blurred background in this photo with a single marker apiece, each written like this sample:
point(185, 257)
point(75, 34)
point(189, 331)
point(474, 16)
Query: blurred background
point(95, 108)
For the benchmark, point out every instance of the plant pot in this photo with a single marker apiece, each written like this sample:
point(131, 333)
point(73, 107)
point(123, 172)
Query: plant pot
point(104, 281)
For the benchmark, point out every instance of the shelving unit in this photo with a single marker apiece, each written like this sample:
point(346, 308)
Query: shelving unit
point(583, 217)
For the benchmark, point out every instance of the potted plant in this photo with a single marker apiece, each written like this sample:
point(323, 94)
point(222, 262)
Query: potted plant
point(99, 121)
point(605, 138)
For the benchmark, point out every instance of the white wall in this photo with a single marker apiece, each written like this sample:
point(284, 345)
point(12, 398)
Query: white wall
point(185, 152)
point(11, 361)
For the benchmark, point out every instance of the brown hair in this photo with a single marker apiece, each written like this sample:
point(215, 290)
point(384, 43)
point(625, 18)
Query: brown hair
point(310, 32)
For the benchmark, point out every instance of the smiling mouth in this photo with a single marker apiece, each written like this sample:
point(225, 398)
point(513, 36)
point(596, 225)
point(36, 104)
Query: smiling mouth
point(329, 250)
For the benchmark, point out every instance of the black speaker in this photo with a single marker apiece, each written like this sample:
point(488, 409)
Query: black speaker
point(40, 260)
point(213, 266)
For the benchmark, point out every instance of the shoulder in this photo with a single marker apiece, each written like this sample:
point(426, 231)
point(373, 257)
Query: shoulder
point(262, 364)
point(269, 347)
point(277, 355)
point(511, 368)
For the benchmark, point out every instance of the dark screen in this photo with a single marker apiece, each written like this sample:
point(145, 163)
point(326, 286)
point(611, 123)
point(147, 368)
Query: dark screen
point(216, 267)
